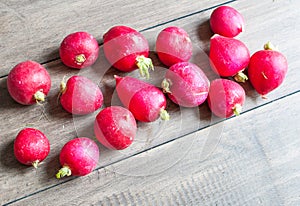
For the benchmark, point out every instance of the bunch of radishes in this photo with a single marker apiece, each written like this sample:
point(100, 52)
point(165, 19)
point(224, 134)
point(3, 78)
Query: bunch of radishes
point(126, 49)
point(230, 58)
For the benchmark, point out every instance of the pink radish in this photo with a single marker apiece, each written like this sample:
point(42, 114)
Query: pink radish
point(225, 98)
point(267, 69)
point(78, 157)
point(186, 84)
point(28, 83)
point(173, 45)
point(80, 96)
point(226, 21)
point(79, 50)
point(229, 57)
point(127, 49)
point(144, 100)
point(115, 127)
point(31, 147)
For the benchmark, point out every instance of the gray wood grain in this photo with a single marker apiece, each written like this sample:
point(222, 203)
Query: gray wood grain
point(17, 181)
point(34, 29)
point(245, 168)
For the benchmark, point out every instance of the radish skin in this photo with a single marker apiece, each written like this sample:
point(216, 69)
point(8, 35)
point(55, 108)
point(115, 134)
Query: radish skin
point(127, 49)
point(80, 96)
point(28, 83)
point(115, 127)
point(146, 102)
point(31, 147)
point(78, 157)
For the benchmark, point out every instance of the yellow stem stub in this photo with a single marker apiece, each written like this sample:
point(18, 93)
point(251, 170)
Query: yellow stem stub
point(64, 171)
point(240, 77)
point(39, 96)
point(35, 164)
point(164, 115)
point(63, 86)
point(270, 46)
point(237, 109)
point(79, 59)
point(166, 86)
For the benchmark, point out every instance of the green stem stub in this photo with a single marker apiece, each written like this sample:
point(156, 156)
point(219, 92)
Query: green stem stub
point(165, 84)
point(144, 64)
point(64, 171)
point(39, 96)
point(164, 115)
point(80, 59)
point(240, 77)
point(237, 109)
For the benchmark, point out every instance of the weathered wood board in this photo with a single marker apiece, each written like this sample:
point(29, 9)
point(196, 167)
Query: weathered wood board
point(248, 165)
point(34, 29)
point(267, 20)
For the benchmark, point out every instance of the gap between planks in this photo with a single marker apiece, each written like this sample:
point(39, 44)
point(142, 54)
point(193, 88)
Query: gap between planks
point(274, 100)
point(152, 27)
point(232, 163)
point(155, 147)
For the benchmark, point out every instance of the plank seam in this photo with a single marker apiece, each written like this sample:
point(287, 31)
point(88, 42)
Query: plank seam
point(103, 167)
point(152, 27)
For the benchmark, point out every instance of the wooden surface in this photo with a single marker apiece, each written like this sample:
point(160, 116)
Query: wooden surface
point(193, 159)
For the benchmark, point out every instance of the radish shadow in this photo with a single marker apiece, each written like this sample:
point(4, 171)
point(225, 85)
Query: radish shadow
point(204, 34)
point(9, 161)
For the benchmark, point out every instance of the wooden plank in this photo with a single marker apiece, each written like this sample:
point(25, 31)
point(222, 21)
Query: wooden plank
point(35, 29)
point(252, 165)
point(60, 126)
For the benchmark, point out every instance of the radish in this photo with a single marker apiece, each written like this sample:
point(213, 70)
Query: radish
point(78, 157)
point(144, 100)
point(226, 21)
point(173, 45)
point(127, 49)
point(80, 96)
point(225, 98)
point(31, 147)
point(229, 57)
point(79, 50)
point(186, 84)
point(267, 69)
point(115, 127)
point(28, 83)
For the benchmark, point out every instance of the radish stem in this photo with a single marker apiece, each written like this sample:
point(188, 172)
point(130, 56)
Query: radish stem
point(240, 77)
point(166, 85)
point(64, 171)
point(35, 163)
point(164, 115)
point(80, 59)
point(144, 64)
point(39, 96)
point(237, 109)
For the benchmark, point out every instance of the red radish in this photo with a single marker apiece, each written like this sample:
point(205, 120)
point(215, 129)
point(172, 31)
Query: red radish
point(28, 83)
point(78, 157)
point(80, 96)
point(225, 98)
point(229, 57)
point(186, 84)
point(226, 21)
point(31, 147)
point(173, 45)
point(79, 50)
point(144, 100)
point(127, 49)
point(115, 127)
point(267, 69)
